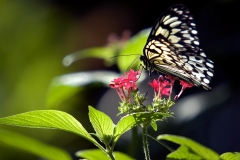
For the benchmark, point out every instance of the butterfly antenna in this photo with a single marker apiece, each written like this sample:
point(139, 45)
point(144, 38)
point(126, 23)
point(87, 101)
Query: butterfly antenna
point(134, 61)
point(123, 55)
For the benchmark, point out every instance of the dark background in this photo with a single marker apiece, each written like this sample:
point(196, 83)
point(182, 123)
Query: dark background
point(36, 35)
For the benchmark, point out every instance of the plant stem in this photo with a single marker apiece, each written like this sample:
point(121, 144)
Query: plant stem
point(111, 156)
point(145, 144)
point(134, 143)
point(110, 152)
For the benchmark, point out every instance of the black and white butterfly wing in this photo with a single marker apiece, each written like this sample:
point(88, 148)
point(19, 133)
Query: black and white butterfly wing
point(173, 48)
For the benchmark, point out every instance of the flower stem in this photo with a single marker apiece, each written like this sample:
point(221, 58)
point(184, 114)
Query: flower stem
point(170, 94)
point(145, 144)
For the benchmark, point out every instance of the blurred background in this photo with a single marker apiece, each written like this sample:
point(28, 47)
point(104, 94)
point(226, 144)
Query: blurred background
point(35, 36)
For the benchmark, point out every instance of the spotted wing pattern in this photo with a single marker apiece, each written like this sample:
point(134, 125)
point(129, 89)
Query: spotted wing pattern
point(172, 48)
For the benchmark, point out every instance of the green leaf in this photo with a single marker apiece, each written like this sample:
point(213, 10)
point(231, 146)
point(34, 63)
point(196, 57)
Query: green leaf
point(125, 124)
point(96, 154)
point(63, 87)
point(92, 154)
point(121, 156)
point(104, 53)
point(183, 153)
point(102, 124)
point(154, 125)
point(32, 146)
point(230, 156)
point(57, 93)
point(130, 121)
point(197, 148)
point(48, 119)
point(133, 48)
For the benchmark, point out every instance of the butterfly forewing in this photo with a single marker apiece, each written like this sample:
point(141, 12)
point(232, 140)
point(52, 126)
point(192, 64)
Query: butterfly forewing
point(173, 48)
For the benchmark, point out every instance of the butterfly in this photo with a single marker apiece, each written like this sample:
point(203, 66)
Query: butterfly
point(173, 49)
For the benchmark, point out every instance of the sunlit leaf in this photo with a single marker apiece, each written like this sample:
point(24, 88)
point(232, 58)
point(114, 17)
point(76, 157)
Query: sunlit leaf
point(120, 156)
point(98, 52)
point(154, 125)
point(230, 156)
point(57, 93)
point(32, 146)
point(96, 154)
point(196, 148)
point(183, 153)
point(125, 124)
point(130, 121)
point(92, 154)
point(133, 49)
point(65, 86)
point(102, 124)
point(48, 119)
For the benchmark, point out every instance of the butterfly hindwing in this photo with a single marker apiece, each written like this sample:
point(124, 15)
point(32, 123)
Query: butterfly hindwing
point(173, 48)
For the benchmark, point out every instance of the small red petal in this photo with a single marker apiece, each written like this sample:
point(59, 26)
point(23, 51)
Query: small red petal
point(186, 84)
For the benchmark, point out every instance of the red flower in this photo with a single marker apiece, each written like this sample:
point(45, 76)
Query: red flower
point(127, 84)
point(154, 84)
point(132, 75)
point(117, 83)
point(160, 87)
point(184, 86)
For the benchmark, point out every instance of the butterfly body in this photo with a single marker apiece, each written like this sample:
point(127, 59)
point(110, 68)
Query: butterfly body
point(173, 49)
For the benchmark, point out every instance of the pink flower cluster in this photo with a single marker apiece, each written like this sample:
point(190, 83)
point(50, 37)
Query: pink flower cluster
point(124, 85)
point(160, 86)
point(164, 85)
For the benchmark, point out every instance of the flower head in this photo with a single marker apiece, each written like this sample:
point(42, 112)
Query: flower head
point(117, 83)
point(160, 87)
point(124, 85)
point(184, 86)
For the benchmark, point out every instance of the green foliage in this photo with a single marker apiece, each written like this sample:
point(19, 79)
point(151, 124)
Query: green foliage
point(183, 152)
point(59, 92)
point(132, 120)
point(65, 86)
point(48, 119)
point(133, 48)
point(154, 125)
point(125, 124)
point(230, 156)
point(193, 148)
point(53, 119)
point(128, 50)
point(106, 131)
point(104, 53)
point(32, 146)
point(102, 124)
point(96, 154)
point(92, 154)
point(34, 38)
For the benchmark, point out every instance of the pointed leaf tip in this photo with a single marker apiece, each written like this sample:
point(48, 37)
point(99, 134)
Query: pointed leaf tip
point(48, 119)
point(102, 124)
